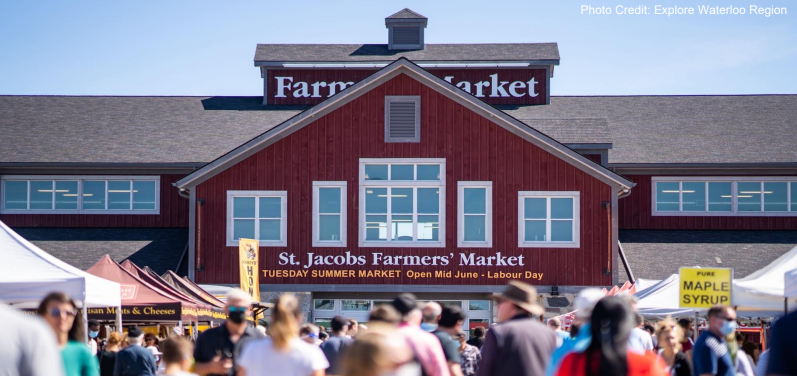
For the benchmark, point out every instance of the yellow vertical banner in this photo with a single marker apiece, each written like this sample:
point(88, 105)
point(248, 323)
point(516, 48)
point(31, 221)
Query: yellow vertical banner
point(248, 250)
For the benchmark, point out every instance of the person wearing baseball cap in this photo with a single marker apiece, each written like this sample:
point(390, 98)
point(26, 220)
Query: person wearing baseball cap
point(518, 345)
point(584, 304)
point(135, 360)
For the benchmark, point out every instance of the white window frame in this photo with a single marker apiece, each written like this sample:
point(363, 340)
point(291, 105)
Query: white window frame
point(488, 220)
point(734, 180)
point(575, 195)
point(364, 184)
point(283, 195)
point(81, 179)
point(317, 242)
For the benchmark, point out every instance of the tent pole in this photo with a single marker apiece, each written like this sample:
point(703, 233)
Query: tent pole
point(119, 320)
point(85, 323)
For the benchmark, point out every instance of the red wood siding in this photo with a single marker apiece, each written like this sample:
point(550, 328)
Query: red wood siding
point(173, 213)
point(635, 213)
point(354, 75)
point(475, 150)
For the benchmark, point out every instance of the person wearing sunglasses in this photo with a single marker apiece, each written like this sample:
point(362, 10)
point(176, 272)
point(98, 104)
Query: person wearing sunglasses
point(711, 356)
point(62, 315)
point(217, 349)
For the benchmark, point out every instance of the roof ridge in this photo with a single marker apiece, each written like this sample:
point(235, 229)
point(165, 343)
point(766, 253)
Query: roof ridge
point(418, 15)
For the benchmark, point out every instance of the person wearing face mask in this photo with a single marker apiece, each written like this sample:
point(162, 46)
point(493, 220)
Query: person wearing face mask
point(217, 349)
point(94, 332)
point(61, 313)
point(711, 355)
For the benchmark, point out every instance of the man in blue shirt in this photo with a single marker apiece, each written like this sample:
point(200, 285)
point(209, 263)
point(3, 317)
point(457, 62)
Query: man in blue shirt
point(710, 354)
point(135, 360)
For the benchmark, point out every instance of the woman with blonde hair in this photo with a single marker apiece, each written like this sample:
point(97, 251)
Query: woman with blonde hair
point(283, 354)
point(108, 355)
point(670, 336)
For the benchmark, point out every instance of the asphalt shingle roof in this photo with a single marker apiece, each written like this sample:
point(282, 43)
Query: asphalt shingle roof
point(573, 131)
point(160, 248)
point(656, 254)
point(686, 129)
point(380, 53)
point(130, 129)
point(406, 13)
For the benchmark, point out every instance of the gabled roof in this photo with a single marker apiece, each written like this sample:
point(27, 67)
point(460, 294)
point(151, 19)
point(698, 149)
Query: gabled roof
point(404, 66)
point(536, 53)
point(406, 13)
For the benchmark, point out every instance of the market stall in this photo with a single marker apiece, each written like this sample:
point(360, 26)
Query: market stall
point(141, 302)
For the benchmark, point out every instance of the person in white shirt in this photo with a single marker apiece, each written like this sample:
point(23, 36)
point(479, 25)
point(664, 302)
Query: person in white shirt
point(640, 341)
point(94, 332)
point(283, 354)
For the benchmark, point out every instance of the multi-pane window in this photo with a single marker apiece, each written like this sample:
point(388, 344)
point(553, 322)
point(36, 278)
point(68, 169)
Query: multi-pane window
point(329, 214)
point(81, 195)
point(474, 211)
point(260, 215)
point(724, 196)
point(401, 202)
point(548, 219)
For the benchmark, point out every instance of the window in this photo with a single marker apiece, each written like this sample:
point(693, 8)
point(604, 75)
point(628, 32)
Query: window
point(261, 215)
point(355, 305)
point(402, 202)
point(324, 304)
point(329, 214)
point(548, 219)
point(80, 194)
point(724, 196)
point(475, 214)
point(402, 118)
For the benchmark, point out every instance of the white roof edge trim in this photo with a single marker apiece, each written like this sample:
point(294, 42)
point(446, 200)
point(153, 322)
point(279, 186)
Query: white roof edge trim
point(441, 63)
point(388, 72)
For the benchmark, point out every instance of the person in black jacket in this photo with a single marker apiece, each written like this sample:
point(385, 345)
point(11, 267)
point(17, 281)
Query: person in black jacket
point(669, 336)
point(478, 337)
point(135, 360)
point(107, 356)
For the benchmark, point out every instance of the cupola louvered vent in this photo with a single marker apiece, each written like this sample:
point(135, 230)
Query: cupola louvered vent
point(402, 119)
point(407, 35)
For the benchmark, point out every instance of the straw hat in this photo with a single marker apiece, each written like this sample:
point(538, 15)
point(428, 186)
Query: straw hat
point(522, 295)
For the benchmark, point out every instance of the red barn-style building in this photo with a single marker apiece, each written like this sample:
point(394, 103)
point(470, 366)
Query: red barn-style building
point(440, 169)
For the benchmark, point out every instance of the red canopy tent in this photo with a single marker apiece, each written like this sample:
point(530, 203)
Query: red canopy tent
point(198, 293)
point(205, 312)
point(141, 302)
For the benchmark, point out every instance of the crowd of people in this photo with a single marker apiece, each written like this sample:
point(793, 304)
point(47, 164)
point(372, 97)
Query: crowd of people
point(404, 337)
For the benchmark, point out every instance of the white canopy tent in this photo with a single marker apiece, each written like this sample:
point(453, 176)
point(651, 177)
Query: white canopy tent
point(28, 274)
point(765, 288)
point(790, 282)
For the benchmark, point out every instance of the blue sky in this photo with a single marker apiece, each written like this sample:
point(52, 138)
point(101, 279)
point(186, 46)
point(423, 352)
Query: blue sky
point(198, 47)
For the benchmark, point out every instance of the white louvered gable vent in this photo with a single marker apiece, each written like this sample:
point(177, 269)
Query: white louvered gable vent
point(409, 35)
point(402, 119)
